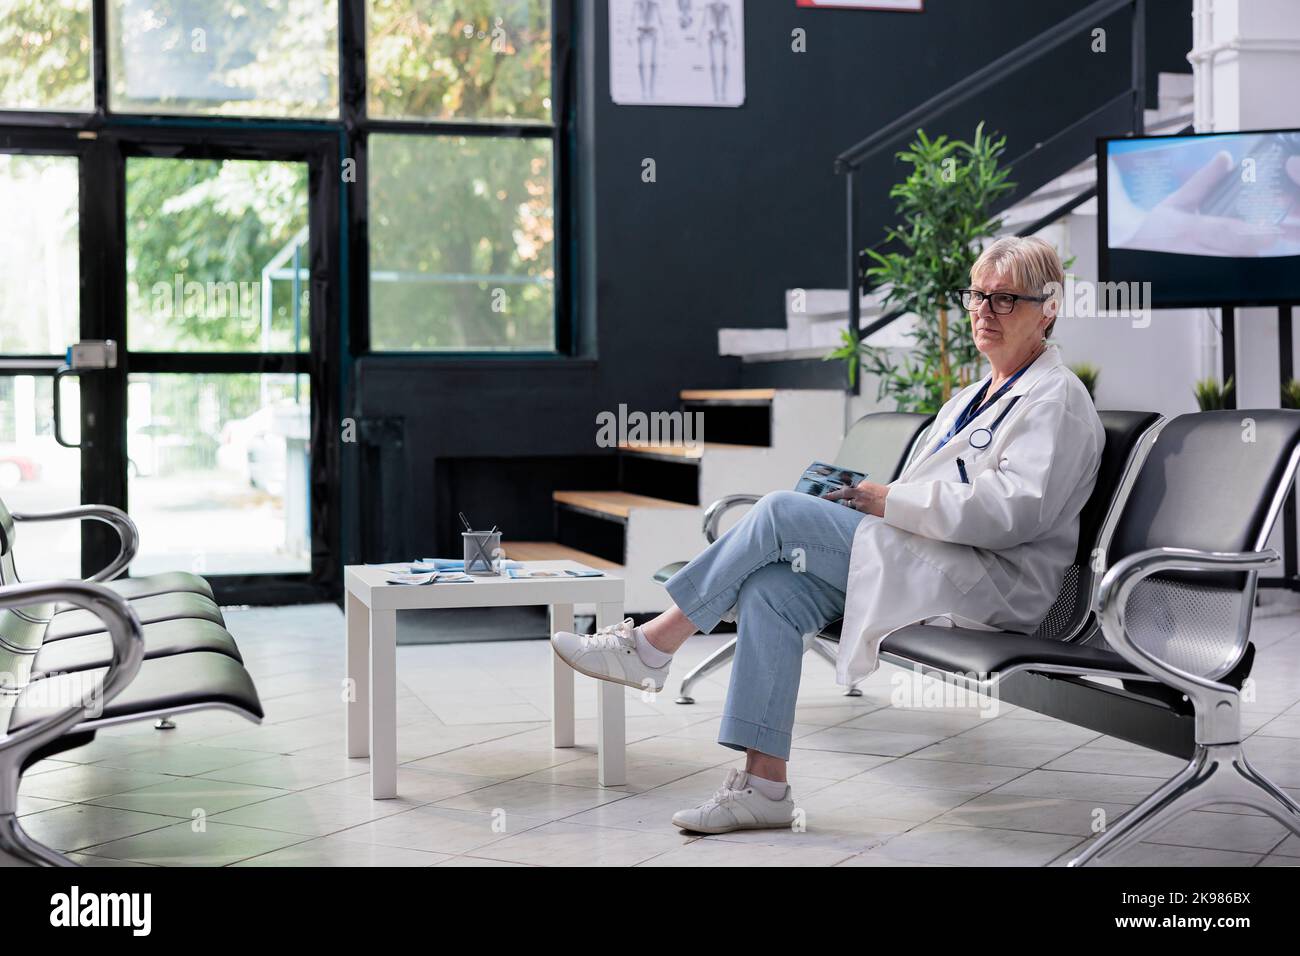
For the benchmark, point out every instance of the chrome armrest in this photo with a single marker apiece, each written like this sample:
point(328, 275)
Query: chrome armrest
point(713, 515)
point(128, 651)
point(127, 533)
point(1112, 599)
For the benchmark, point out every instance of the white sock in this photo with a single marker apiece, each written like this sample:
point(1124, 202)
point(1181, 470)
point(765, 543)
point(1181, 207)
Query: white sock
point(649, 654)
point(768, 788)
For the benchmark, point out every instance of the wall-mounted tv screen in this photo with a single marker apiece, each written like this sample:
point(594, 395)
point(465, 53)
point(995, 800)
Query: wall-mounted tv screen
point(1208, 219)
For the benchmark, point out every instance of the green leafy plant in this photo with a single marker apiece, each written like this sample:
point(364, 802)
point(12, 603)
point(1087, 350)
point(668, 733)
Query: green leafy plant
point(1211, 396)
point(944, 206)
point(1087, 373)
point(1291, 394)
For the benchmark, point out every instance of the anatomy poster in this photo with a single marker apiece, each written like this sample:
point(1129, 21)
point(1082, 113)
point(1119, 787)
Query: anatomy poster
point(677, 52)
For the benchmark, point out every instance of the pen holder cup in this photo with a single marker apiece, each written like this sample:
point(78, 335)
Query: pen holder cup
point(482, 551)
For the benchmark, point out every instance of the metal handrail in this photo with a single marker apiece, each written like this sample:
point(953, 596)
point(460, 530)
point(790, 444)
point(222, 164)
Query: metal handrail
point(1028, 52)
point(1011, 199)
point(849, 161)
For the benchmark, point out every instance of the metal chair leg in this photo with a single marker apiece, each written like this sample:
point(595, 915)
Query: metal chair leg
point(1217, 773)
point(707, 666)
point(828, 652)
point(1266, 797)
point(19, 849)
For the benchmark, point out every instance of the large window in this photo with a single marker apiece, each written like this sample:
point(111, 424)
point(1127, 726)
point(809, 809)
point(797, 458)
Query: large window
point(474, 60)
point(45, 55)
point(216, 255)
point(228, 190)
point(218, 472)
point(462, 218)
point(226, 57)
point(39, 295)
point(461, 243)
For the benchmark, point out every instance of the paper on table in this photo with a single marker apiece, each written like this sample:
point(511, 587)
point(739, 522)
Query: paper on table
point(436, 577)
point(580, 572)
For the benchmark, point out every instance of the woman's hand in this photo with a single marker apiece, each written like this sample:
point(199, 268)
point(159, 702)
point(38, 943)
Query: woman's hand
point(865, 496)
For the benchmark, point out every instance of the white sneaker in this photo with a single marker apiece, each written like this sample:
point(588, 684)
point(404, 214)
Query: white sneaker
point(738, 806)
point(609, 654)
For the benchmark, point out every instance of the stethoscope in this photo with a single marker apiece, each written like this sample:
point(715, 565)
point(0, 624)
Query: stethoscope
point(983, 436)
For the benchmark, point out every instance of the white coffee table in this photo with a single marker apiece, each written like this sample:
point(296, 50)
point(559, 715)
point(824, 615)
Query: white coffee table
point(371, 612)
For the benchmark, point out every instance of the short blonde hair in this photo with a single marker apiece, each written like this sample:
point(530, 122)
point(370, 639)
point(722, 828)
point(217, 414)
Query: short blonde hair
point(1032, 264)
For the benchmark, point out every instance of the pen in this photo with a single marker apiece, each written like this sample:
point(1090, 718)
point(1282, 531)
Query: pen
point(961, 469)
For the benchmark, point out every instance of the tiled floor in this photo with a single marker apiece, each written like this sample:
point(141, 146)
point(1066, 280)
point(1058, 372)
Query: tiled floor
point(480, 785)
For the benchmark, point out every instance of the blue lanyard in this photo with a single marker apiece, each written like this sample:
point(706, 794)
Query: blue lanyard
point(974, 409)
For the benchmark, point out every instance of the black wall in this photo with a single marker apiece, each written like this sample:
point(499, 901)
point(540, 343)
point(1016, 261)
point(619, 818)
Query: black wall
point(746, 205)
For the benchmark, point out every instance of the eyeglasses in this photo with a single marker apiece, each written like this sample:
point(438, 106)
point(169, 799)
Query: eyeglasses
point(1002, 303)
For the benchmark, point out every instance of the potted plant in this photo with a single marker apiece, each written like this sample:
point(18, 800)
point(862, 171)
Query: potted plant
point(1291, 394)
point(944, 206)
point(1211, 396)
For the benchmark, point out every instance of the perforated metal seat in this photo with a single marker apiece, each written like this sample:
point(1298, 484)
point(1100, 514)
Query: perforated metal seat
point(1172, 621)
point(1128, 435)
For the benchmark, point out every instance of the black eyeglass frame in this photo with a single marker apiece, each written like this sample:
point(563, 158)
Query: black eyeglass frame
point(960, 295)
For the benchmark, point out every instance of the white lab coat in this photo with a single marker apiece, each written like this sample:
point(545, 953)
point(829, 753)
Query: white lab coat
point(991, 553)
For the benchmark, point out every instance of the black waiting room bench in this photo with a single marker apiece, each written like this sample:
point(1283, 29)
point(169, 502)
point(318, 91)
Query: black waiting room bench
point(79, 655)
point(1148, 640)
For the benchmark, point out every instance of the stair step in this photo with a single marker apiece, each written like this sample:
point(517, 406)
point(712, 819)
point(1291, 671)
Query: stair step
point(1176, 85)
point(613, 505)
point(678, 452)
point(728, 396)
point(554, 551)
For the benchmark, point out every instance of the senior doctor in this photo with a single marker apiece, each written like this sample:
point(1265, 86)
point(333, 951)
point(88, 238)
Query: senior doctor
point(979, 530)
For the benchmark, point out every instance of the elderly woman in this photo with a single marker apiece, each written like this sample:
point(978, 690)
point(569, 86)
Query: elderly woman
point(978, 530)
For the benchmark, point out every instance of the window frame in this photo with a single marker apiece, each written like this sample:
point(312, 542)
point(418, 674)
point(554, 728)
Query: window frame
point(358, 126)
point(103, 138)
point(354, 126)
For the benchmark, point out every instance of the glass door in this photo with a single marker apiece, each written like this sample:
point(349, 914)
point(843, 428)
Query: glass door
point(218, 461)
point(220, 316)
point(40, 309)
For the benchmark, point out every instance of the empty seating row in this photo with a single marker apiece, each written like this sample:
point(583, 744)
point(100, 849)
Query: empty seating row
point(79, 655)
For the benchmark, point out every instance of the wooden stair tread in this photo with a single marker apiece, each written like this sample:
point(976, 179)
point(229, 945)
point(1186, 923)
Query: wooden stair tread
point(678, 451)
point(614, 503)
point(728, 394)
point(554, 551)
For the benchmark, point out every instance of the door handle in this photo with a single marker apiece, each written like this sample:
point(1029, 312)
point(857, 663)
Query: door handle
point(59, 373)
point(87, 354)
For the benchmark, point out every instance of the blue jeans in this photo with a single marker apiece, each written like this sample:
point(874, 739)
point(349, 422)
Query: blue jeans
point(784, 567)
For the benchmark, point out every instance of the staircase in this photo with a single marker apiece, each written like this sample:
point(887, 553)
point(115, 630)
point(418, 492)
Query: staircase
point(817, 329)
point(755, 440)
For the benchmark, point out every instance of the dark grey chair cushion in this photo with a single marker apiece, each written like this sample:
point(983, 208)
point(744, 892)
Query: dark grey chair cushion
point(89, 651)
point(168, 582)
point(964, 651)
point(164, 685)
point(159, 607)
